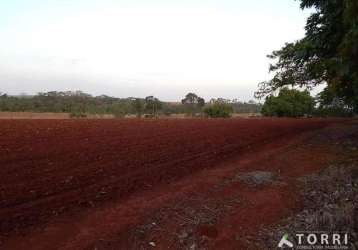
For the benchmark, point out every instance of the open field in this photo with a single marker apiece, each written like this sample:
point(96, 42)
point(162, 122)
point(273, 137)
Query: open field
point(44, 115)
point(47, 115)
point(33, 115)
point(133, 184)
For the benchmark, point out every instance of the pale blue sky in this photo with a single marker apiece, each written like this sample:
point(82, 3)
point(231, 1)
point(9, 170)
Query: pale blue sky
point(216, 48)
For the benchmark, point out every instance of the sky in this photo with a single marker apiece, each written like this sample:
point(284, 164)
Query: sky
point(122, 48)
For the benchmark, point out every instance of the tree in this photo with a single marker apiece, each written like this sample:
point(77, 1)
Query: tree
point(289, 102)
point(331, 105)
point(138, 106)
point(245, 107)
point(193, 103)
point(327, 54)
point(152, 105)
point(218, 109)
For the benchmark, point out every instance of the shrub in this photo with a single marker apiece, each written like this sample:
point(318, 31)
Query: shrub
point(218, 109)
point(330, 105)
point(78, 115)
point(333, 111)
point(289, 103)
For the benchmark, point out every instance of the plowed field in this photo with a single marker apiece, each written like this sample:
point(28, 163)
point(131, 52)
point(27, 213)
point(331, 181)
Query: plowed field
point(90, 184)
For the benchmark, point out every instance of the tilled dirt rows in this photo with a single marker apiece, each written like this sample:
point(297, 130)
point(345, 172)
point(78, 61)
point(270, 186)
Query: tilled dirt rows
point(92, 184)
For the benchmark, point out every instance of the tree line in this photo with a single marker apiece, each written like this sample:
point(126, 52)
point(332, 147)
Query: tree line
point(327, 54)
point(78, 104)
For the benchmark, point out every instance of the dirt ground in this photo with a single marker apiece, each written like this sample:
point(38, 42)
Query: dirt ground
point(33, 115)
point(47, 116)
point(156, 184)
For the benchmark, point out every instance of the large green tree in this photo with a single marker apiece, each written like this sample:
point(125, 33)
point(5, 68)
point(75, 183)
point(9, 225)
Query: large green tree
point(193, 103)
point(152, 105)
point(327, 54)
point(288, 103)
point(219, 108)
point(138, 106)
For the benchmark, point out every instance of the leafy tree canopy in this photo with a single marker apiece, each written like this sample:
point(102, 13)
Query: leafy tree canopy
point(327, 54)
point(138, 106)
point(193, 103)
point(152, 105)
point(219, 108)
point(289, 102)
point(79, 104)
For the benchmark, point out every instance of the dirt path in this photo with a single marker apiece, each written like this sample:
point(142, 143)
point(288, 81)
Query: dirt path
point(220, 206)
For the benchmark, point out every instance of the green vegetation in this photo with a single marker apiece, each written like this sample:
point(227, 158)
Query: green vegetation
point(219, 108)
point(326, 55)
point(76, 103)
point(138, 106)
point(78, 115)
point(332, 106)
point(79, 105)
point(193, 104)
point(290, 103)
point(152, 105)
point(245, 107)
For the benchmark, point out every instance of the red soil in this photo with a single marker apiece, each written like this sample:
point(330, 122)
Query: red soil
point(90, 184)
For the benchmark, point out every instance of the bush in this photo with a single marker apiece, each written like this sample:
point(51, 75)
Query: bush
point(288, 103)
point(78, 115)
point(333, 111)
point(218, 109)
point(330, 105)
